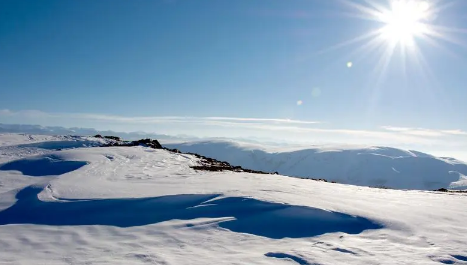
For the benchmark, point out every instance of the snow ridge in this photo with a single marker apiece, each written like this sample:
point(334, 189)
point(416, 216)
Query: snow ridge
point(370, 166)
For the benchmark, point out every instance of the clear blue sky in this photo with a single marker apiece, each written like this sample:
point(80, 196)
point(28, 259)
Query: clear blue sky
point(242, 59)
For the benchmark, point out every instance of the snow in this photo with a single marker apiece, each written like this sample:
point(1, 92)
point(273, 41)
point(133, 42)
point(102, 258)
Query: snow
point(8, 139)
point(43, 165)
point(363, 166)
point(135, 205)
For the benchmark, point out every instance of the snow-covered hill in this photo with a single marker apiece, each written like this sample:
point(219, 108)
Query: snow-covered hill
point(364, 166)
point(137, 205)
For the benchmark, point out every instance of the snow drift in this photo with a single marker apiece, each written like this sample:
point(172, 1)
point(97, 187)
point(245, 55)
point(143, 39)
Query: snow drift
point(138, 205)
point(43, 165)
point(244, 215)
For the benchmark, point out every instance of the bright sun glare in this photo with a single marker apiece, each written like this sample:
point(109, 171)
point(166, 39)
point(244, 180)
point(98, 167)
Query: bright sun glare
point(403, 25)
point(399, 28)
point(404, 21)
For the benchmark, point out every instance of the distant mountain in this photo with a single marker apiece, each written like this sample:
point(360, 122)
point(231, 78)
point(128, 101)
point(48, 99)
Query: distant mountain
point(56, 130)
point(365, 166)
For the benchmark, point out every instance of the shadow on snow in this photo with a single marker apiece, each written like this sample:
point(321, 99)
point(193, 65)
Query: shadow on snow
point(280, 255)
point(57, 145)
point(261, 218)
point(43, 166)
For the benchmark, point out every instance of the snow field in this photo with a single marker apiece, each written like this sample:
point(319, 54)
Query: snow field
point(135, 205)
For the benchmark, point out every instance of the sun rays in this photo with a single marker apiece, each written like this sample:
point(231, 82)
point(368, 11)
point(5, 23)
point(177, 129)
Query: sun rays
point(400, 27)
point(404, 21)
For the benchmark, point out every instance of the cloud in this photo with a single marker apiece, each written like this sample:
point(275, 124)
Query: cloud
point(454, 132)
point(214, 121)
point(424, 132)
point(263, 120)
point(395, 129)
point(5, 112)
point(285, 129)
point(25, 113)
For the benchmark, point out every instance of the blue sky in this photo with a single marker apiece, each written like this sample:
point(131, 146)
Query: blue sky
point(236, 68)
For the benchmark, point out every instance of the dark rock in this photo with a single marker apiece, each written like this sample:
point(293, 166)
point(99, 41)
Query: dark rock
point(98, 136)
point(116, 138)
point(211, 164)
point(147, 142)
point(451, 191)
point(174, 151)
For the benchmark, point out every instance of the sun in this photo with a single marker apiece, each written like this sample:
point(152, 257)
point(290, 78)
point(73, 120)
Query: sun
point(400, 28)
point(404, 21)
point(401, 37)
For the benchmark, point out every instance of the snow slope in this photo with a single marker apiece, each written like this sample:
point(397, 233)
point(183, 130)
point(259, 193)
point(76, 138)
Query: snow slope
point(135, 205)
point(364, 166)
point(11, 139)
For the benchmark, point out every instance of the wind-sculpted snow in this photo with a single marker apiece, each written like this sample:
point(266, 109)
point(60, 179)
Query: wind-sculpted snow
point(43, 166)
point(138, 205)
point(372, 166)
point(9, 139)
point(245, 215)
point(57, 145)
point(279, 255)
point(51, 142)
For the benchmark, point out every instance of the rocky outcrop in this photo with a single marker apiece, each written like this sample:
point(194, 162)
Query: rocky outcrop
point(115, 138)
point(451, 191)
point(205, 163)
point(148, 142)
point(211, 164)
point(144, 142)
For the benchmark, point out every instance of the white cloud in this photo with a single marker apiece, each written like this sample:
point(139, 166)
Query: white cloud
point(395, 129)
point(24, 113)
point(444, 141)
point(455, 132)
point(284, 129)
point(5, 112)
point(424, 132)
point(264, 120)
point(155, 119)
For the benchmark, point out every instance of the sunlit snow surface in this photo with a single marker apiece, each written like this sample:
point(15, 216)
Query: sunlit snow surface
point(373, 166)
point(134, 205)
